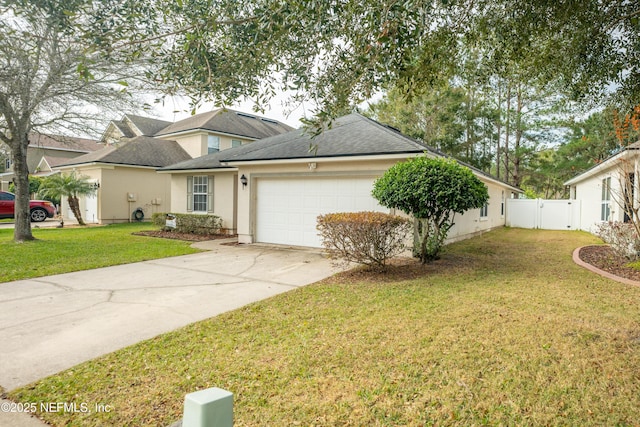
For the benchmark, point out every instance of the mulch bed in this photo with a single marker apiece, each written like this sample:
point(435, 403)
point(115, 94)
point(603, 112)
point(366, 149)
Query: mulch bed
point(189, 237)
point(604, 258)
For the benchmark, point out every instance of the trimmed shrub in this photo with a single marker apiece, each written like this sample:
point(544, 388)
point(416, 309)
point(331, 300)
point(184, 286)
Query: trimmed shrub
point(190, 223)
point(622, 238)
point(368, 238)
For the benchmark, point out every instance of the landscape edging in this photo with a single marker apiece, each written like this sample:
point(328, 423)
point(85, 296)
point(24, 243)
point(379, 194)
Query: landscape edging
point(581, 263)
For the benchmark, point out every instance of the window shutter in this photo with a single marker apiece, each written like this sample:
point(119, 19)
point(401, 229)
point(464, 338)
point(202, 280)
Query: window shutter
point(189, 194)
point(210, 194)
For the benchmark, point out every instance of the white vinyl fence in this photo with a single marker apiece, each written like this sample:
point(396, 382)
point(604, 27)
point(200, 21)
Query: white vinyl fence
point(545, 214)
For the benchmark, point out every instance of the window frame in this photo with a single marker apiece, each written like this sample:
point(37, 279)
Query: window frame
point(213, 144)
point(605, 203)
point(484, 212)
point(205, 189)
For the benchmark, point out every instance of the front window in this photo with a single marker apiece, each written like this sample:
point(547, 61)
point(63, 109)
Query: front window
point(7, 164)
point(235, 143)
point(213, 144)
point(200, 193)
point(502, 201)
point(605, 209)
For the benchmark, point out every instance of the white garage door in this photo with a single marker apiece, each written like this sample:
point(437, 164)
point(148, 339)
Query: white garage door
point(287, 208)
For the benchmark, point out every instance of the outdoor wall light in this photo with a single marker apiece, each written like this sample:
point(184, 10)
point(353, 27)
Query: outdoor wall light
point(244, 180)
point(96, 185)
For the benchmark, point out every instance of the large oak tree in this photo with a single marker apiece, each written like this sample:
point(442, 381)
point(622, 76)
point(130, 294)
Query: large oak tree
point(339, 53)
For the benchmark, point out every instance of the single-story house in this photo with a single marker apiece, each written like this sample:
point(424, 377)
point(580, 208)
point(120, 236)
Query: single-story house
point(603, 189)
point(124, 170)
point(272, 190)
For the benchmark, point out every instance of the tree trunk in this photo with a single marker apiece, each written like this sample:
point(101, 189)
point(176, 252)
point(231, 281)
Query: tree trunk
point(506, 132)
point(499, 129)
point(516, 147)
point(22, 230)
point(428, 237)
point(74, 205)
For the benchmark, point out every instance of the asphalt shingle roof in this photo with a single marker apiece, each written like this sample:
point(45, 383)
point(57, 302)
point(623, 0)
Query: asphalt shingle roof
point(229, 122)
point(138, 151)
point(352, 135)
point(147, 125)
point(63, 142)
point(209, 161)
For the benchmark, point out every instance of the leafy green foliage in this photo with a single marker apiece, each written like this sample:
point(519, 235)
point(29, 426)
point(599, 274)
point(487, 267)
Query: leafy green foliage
point(432, 190)
point(340, 53)
point(368, 238)
point(70, 186)
point(34, 185)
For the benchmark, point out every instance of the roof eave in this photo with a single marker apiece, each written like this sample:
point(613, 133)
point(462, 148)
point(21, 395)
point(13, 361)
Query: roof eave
point(199, 170)
point(597, 168)
point(196, 130)
point(339, 157)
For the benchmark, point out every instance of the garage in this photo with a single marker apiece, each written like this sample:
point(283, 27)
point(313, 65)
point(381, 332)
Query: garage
point(287, 208)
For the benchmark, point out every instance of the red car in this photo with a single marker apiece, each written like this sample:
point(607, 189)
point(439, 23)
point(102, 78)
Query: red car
point(40, 209)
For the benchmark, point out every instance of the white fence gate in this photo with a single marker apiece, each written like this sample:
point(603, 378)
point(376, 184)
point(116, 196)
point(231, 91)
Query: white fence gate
point(545, 214)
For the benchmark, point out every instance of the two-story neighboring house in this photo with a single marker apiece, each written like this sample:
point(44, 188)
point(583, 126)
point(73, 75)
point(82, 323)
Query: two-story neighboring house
point(45, 152)
point(124, 171)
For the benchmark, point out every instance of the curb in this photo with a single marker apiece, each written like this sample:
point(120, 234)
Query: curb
point(577, 260)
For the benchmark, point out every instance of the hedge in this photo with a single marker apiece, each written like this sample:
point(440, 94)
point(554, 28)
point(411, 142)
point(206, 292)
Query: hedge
point(190, 223)
point(369, 238)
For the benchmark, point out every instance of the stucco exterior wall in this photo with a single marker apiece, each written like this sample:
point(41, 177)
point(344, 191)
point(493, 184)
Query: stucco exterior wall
point(196, 143)
point(225, 184)
point(466, 225)
point(152, 192)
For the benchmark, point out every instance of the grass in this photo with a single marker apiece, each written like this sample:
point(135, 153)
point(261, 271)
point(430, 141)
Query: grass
point(72, 249)
point(504, 330)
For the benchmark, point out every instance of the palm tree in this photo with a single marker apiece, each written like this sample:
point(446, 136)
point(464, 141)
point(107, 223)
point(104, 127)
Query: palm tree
point(71, 186)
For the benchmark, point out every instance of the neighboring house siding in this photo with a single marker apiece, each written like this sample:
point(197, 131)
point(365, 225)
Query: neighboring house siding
point(152, 191)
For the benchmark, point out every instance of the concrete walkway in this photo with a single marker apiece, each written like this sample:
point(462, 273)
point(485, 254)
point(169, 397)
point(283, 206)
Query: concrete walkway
point(52, 323)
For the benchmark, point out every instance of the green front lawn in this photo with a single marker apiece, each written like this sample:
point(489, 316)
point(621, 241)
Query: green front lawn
point(62, 250)
point(504, 330)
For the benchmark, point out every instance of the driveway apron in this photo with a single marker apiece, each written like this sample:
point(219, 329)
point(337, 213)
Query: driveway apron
point(52, 323)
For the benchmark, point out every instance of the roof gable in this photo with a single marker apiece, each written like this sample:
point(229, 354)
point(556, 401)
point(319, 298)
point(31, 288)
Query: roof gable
point(146, 126)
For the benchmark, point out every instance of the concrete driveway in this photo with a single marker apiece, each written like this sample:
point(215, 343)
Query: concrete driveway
point(52, 323)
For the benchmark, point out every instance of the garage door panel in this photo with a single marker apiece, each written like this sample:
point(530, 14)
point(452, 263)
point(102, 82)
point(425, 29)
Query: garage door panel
point(287, 208)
